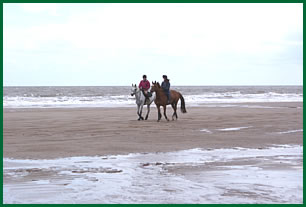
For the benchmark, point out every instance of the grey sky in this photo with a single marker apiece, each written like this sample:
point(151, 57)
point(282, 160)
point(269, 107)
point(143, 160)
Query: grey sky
point(115, 44)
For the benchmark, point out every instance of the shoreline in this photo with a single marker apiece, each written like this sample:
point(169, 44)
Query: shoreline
point(193, 176)
point(258, 105)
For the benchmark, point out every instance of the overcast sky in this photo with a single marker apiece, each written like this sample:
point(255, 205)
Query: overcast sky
point(115, 44)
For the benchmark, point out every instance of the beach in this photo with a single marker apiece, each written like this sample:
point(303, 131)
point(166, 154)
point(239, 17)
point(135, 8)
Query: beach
point(75, 74)
point(241, 153)
point(53, 133)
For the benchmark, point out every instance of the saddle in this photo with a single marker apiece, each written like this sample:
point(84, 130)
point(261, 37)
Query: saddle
point(148, 95)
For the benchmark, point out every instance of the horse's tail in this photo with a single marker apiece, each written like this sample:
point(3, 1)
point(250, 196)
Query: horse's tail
point(183, 109)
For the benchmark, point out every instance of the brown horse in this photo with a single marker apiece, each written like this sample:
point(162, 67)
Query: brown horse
point(162, 100)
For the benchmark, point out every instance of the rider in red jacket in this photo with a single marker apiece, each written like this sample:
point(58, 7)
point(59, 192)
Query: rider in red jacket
point(144, 85)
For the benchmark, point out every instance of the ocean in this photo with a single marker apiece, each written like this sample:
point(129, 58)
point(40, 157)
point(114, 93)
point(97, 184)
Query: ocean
point(120, 96)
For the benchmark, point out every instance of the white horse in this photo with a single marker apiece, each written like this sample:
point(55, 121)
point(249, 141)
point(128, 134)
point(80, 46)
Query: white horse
point(140, 101)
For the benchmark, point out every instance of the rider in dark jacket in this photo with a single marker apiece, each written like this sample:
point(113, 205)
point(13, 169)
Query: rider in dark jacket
point(166, 87)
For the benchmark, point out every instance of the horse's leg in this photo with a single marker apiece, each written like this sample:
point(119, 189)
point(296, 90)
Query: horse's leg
point(138, 108)
point(174, 109)
point(141, 107)
point(138, 112)
point(159, 114)
point(148, 111)
point(165, 107)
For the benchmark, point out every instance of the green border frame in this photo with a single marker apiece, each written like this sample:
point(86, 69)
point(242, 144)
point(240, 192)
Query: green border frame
point(152, 1)
point(145, 1)
point(1, 10)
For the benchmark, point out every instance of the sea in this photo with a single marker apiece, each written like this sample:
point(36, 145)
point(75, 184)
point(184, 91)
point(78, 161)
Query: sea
point(120, 96)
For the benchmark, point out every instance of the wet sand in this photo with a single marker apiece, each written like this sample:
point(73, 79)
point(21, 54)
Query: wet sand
point(240, 175)
point(54, 133)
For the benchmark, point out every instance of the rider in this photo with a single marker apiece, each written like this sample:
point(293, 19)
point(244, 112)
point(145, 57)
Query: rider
point(166, 87)
point(144, 85)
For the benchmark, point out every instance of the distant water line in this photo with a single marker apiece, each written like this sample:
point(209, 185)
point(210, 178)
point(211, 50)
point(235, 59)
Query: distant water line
point(119, 96)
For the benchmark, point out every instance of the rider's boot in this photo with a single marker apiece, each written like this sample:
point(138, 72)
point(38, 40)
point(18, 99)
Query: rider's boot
point(147, 100)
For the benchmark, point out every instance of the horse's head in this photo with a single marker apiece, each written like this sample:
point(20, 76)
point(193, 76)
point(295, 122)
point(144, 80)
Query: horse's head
point(155, 86)
point(133, 89)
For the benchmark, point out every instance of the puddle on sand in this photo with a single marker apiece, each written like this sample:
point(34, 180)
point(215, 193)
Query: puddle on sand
point(239, 175)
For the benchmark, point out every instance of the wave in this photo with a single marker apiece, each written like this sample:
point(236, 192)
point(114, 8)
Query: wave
point(56, 101)
point(70, 102)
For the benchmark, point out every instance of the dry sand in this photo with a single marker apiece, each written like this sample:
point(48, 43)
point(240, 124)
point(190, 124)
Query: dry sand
point(53, 133)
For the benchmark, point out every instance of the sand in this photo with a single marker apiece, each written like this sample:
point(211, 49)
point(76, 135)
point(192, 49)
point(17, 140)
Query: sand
point(55, 133)
point(246, 153)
